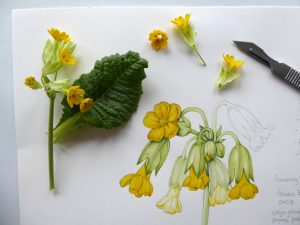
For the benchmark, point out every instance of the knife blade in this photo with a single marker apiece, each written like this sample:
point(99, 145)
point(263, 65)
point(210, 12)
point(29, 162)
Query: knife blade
point(281, 70)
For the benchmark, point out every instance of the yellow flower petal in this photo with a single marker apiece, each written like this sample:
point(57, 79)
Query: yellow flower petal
point(58, 35)
point(159, 39)
point(156, 134)
point(174, 112)
point(170, 130)
point(162, 109)
point(151, 120)
point(126, 180)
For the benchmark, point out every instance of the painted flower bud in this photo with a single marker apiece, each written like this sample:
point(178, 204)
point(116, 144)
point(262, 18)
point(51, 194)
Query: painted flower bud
point(210, 150)
point(184, 127)
point(220, 147)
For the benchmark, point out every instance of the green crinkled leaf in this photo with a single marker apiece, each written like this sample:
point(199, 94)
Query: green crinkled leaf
point(115, 85)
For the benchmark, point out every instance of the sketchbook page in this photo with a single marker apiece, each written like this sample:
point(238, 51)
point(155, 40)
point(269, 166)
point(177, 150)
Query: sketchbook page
point(89, 163)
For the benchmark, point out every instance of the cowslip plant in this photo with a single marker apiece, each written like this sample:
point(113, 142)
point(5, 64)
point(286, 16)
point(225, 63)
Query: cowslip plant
point(106, 97)
point(200, 166)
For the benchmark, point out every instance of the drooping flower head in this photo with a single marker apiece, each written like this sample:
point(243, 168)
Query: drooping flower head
point(139, 183)
point(59, 35)
point(243, 189)
point(66, 56)
point(193, 182)
point(182, 22)
point(219, 196)
point(163, 121)
point(170, 203)
point(74, 95)
point(159, 39)
point(32, 83)
point(86, 104)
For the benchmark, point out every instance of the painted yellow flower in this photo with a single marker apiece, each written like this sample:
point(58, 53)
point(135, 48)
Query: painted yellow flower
point(66, 56)
point(163, 121)
point(159, 39)
point(86, 104)
point(58, 35)
point(231, 63)
point(74, 95)
point(243, 189)
point(182, 22)
point(194, 183)
point(32, 83)
point(139, 183)
point(219, 196)
point(170, 203)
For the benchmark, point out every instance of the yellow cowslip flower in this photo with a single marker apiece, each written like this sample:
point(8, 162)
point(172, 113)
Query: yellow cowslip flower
point(32, 83)
point(182, 22)
point(219, 196)
point(163, 121)
point(231, 63)
point(170, 203)
point(75, 95)
point(86, 104)
point(159, 39)
point(58, 35)
point(243, 189)
point(66, 56)
point(194, 183)
point(139, 183)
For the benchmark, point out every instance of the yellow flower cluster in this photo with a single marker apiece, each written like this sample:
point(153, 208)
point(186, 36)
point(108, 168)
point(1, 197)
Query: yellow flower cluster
point(163, 121)
point(139, 183)
point(75, 96)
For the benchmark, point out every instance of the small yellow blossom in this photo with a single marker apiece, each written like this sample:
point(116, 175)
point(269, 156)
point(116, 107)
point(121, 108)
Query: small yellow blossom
point(86, 104)
point(139, 183)
point(66, 56)
point(171, 203)
point(182, 22)
point(194, 183)
point(243, 189)
point(159, 39)
point(58, 35)
point(219, 196)
point(75, 95)
point(163, 121)
point(231, 63)
point(32, 83)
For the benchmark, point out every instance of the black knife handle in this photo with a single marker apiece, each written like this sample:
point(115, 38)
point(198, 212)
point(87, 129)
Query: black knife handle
point(262, 56)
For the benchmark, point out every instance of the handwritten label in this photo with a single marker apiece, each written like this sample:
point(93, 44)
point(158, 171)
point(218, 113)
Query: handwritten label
point(287, 195)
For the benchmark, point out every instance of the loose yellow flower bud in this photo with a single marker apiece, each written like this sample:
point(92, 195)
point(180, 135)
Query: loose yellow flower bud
point(32, 83)
point(159, 39)
point(74, 95)
point(86, 104)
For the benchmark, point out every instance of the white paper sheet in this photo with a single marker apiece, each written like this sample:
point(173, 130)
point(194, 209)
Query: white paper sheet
point(90, 162)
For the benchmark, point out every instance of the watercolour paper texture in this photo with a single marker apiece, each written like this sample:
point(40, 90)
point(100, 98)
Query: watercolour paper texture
point(90, 162)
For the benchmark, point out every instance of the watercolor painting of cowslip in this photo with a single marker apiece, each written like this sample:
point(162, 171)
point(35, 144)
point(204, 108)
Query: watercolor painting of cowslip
point(199, 166)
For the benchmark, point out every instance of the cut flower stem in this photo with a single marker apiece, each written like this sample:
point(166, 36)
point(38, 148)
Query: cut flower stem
point(50, 144)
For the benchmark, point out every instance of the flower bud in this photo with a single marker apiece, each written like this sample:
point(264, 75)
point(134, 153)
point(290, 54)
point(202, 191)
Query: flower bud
point(178, 172)
point(209, 150)
point(32, 83)
point(220, 147)
point(184, 127)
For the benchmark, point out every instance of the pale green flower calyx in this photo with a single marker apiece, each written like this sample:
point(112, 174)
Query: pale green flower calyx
point(184, 127)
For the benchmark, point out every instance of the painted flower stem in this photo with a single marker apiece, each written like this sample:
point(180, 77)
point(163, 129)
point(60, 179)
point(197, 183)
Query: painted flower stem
point(50, 144)
point(233, 135)
point(205, 210)
point(197, 110)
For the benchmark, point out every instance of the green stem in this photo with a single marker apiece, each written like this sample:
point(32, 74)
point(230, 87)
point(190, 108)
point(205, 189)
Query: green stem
point(194, 132)
point(197, 110)
point(50, 144)
point(66, 126)
point(198, 53)
point(233, 135)
point(205, 210)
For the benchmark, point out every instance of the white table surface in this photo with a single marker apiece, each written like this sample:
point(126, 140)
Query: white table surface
point(9, 212)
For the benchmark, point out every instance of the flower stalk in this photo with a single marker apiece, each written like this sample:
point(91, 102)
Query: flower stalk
point(205, 210)
point(50, 144)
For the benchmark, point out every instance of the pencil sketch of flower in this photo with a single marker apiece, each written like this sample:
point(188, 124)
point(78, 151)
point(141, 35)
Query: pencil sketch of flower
point(201, 164)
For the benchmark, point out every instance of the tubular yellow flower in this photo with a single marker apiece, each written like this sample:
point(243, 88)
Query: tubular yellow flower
point(74, 95)
point(32, 83)
point(139, 183)
point(231, 63)
point(58, 35)
point(170, 203)
point(86, 104)
point(163, 121)
point(66, 56)
point(182, 22)
point(219, 196)
point(243, 189)
point(159, 39)
point(194, 183)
